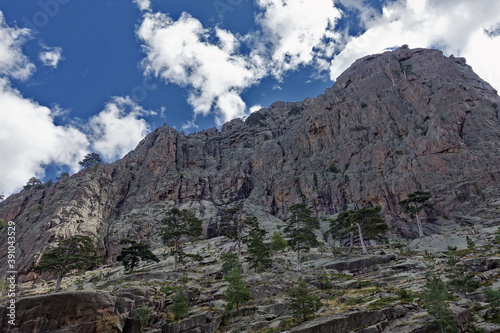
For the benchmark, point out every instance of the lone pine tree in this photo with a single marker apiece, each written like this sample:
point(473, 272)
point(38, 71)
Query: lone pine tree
point(414, 204)
point(72, 253)
point(300, 229)
point(436, 302)
point(258, 254)
point(236, 292)
point(366, 221)
point(134, 253)
point(179, 223)
point(303, 302)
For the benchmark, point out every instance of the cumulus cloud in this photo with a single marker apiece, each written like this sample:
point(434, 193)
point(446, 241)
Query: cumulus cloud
point(296, 30)
point(29, 139)
point(118, 128)
point(13, 62)
point(144, 5)
point(51, 56)
point(181, 52)
point(255, 108)
point(209, 61)
point(458, 27)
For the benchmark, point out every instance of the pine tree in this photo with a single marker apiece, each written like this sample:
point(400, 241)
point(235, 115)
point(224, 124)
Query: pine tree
point(72, 253)
point(133, 254)
point(414, 204)
point(90, 160)
point(300, 229)
point(179, 223)
point(236, 228)
point(258, 254)
point(230, 261)
point(180, 307)
point(436, 302)
point(303, 302)
point(278, 243)
point(494, 300)
point(236, 292)
point(365, 221)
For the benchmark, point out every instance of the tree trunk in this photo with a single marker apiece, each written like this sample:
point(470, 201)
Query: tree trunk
point(361, 239)
point(298, 257)
point(59, 280)
point(351, 247)
point(176, 254)
point(419, 224)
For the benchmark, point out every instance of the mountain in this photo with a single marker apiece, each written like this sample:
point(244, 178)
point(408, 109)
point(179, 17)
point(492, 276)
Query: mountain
point(393, 123)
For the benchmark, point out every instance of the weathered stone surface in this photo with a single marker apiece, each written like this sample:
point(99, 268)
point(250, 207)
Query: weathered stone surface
point(203, 322)
point(358, 264)
point(60, 312)
point(346, 322)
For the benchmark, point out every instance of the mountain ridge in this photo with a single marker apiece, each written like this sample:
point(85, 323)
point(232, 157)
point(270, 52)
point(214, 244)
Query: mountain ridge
point(393, 123)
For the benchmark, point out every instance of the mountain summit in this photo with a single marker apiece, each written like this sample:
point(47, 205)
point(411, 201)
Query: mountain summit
point(392, 124)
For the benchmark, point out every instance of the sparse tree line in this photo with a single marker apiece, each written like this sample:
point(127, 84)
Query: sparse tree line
point(179, 225)
point(90, 160)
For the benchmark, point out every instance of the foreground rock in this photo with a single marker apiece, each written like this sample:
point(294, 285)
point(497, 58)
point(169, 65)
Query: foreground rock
point(60, 312)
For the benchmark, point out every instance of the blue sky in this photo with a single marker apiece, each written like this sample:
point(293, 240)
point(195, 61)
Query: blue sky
point(98, 75)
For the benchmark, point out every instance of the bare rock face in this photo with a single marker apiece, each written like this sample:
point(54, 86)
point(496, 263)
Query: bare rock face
point(61, 312)
point(393, 123)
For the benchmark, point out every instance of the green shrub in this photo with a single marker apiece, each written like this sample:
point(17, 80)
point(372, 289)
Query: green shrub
point(256, 119)
point(295, 110)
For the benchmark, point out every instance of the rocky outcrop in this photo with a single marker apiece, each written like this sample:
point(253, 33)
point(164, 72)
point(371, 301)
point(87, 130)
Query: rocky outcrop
point(351, 321)
point(60, 312)
point(393, 123)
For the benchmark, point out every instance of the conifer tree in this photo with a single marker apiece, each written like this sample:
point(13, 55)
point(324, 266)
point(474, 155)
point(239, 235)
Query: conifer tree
point(177, 224)
point(230, 261)
point(180, 307)
point(365, 221)
point(236, 292)
point(258, 254)
point(90, 160)
point(414, 204)
point(72, 253)
point(436, 302)
point(300, 229)
point(134, 253)
point(303, 302)
point(236, 228)
point(278, 243)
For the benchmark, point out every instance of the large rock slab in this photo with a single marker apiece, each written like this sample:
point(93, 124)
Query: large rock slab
point(347, 322)
point(358, 264)
point(74, 312)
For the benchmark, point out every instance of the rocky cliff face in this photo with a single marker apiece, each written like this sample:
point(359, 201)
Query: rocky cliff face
point(393, 123)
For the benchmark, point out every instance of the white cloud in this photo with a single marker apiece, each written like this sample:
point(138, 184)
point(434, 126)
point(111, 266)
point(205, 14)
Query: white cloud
point(117, 129)
point(29, 139)
point(296, 30)
point(12, 60)
point(180, 52)
point(457, 27)
point(144, 5)
point(51, 56)
point(255, 108)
